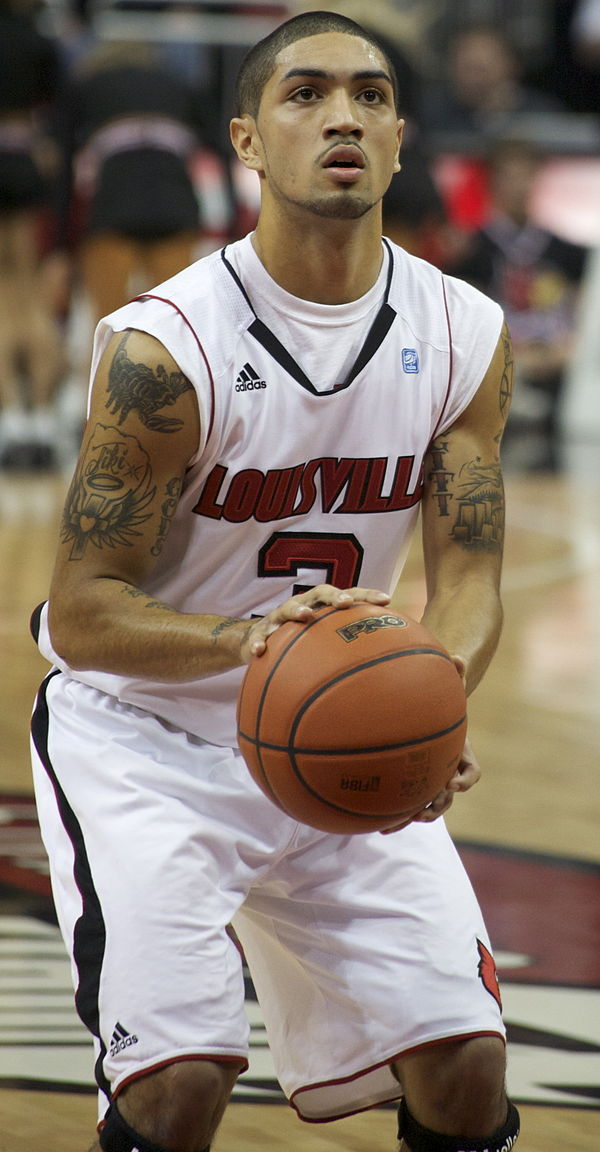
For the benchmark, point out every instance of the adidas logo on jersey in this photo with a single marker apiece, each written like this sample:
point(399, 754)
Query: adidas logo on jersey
point(248, 380)
point(121, 1039)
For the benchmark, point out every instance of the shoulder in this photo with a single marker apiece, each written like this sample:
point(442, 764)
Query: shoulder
point(183, 307)
point(437, 301)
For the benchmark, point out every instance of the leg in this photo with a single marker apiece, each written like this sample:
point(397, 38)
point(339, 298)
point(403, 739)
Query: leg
point(108, 261)
point(164, 258)
point(171, 977)
point(178, 1108)
point(456, 1089)
point(30, 347)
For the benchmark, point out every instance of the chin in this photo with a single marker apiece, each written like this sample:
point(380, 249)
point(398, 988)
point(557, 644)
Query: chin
point(340, 207)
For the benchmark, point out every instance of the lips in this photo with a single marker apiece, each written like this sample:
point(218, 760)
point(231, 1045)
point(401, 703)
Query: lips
point(344, 157)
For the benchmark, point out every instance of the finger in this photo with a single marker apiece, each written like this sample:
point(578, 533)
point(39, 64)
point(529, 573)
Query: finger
point(296, 609)
point(329, 594)
point(439, 805)
point(461, 666)
point(464, 778)
point(397, 827)
point(432, 812)
point(467, 773)
point(371, 595)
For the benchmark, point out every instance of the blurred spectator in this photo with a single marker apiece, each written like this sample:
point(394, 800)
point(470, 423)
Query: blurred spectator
point(30, 346)
point(127, 206)
point(585, 31)
point(127, 213)
point(585, 47)
point(413, 212)
point(535, 276)
point(483, 95)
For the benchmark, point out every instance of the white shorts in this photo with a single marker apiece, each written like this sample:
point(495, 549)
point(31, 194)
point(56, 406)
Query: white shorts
point(360, 947)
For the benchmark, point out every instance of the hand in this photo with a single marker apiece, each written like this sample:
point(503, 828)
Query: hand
point(467, 773)
point(302, 608)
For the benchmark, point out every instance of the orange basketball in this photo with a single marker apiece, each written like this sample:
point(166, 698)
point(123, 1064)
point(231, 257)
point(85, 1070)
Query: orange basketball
point(354, 721)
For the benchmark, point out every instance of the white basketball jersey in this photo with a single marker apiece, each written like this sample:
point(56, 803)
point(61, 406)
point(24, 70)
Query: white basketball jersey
point(315, 422)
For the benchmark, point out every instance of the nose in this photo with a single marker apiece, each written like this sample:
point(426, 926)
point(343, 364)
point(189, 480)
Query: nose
point(342, 115)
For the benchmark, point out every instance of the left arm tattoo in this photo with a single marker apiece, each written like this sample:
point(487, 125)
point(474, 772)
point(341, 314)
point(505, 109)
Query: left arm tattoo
point(473, 499)
point(506, 381)
point(479, 521)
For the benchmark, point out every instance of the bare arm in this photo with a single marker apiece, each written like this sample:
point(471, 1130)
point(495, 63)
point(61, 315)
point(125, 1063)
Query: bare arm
point(463, 523)
point(142, 431)
point(463, 537)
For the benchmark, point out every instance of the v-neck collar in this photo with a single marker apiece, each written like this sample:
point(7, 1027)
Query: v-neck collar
point(373, 340)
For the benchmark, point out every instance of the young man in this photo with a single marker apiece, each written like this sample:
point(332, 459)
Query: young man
point(263, 429)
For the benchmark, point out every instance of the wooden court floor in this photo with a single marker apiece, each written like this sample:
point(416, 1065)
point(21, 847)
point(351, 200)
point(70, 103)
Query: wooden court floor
point(529, 830)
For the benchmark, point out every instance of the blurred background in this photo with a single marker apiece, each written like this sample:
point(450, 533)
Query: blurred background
point(116, 171)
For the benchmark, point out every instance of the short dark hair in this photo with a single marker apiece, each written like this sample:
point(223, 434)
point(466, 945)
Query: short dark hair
point(258, 64)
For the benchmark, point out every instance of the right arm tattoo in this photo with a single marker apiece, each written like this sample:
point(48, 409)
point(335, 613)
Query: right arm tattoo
point(137, 388)
point(109, 494)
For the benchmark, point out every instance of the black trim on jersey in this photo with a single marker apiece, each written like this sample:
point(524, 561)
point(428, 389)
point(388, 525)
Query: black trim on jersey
point(36, 620)
point(89, 935)
point(373, 340)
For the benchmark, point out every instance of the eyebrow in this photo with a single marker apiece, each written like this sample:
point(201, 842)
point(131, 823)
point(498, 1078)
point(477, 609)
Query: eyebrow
point(321, 74)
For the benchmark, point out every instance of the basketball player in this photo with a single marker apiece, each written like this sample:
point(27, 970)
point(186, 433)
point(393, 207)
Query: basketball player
point(263, 429)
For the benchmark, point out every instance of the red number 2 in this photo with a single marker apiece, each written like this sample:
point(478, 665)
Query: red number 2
point(339, 554)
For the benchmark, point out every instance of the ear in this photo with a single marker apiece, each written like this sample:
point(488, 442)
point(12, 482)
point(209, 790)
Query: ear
point(246, 142)
point(400, 131)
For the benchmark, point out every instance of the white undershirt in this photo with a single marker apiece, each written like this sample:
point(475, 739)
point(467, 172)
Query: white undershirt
point(324, 339)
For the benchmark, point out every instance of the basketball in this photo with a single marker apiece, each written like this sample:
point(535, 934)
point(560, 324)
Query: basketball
point(353, 721)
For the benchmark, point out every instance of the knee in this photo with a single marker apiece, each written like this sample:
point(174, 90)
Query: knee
point(179, 1107)
point(457, 1088)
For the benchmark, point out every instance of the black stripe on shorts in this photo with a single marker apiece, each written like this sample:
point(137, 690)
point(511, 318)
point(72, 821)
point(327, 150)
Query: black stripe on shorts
point(89, 936)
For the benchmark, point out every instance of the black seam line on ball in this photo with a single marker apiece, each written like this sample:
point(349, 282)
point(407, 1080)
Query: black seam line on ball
point(256, 741)
point(363, 750)
point(357, 668)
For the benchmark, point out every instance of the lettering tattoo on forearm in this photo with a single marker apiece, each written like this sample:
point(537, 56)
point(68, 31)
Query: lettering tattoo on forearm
point(110, 493)
point(473, 499)
point(167, 512)
point(137, 594)
point(229, 622)
point(138, 388)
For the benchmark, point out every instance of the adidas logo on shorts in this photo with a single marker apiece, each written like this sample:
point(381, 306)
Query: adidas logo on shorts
point(248, 380)
point(121, 1039)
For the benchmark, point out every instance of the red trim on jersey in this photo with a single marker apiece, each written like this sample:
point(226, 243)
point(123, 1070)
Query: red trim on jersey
point(373, 1068)
point(165, 300)
point(215, 1059)
point(450, 360)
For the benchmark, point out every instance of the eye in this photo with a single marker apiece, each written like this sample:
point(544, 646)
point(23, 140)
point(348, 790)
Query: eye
point(372, 96)
point(304, 95)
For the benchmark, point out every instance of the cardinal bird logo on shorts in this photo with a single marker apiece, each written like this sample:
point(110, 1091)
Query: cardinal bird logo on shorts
point(488, 974)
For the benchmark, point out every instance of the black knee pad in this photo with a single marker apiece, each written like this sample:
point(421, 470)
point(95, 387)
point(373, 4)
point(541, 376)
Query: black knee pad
point(420, 1139)
point(117, 1136)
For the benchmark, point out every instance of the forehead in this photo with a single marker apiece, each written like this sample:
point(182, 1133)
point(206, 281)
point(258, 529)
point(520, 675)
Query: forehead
point(336, 52)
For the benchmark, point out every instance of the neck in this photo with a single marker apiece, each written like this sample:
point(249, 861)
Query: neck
point(326, 261)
